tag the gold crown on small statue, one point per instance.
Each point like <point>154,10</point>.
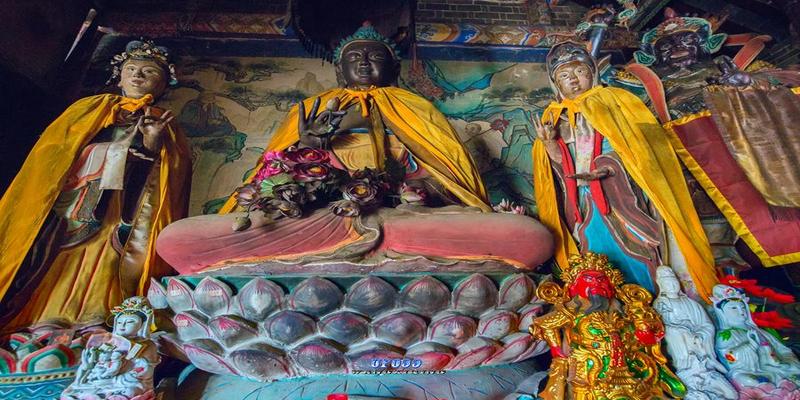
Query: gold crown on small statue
<point>579,263</point>
<point>143,50</point>
<point>137,305</point>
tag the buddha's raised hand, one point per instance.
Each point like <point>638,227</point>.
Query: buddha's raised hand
<point>315,129</point>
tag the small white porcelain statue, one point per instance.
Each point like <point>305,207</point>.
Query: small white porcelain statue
<point>689,334</point>
<point>759,365</point>
<point>119,365</point>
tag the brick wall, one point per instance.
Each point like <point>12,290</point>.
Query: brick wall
<point>473,11</point>
<point>499,12</point>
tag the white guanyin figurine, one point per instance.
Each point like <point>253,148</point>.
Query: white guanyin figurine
<point>689,335</point>
<point>759,365</point>
<point>119,365</point>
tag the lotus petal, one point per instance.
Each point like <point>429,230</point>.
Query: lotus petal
<point>400,329</point>
<point>497,324</point>
<point>231,330</point>
<point>287,327</point>
<point>169,345</point>
<point>315,296</point>
<point>191,325</point>
<point>434,356</point>
<point>344,327</point>
<point>425,296</point>
<point>536,348</point>
<point>452,329</point>
<point>320,356</point>
<point>516,291</point>
<point>157,295</point>
<point>48,358</point>
<point>474,352</point>
<point>528,313</point>
<point>258,298</point>
<point>8,363</point>
<point>365,356</point>
<point>514,345</point>
<point>371,296</point>
<point>474,295</point>
<point>209,356</point>
<point>261,362</point>
<point>179,295</point>
<point>212,297</point>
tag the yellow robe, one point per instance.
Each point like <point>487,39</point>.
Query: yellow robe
<point>642,146</point>
<point>419,126</point>
<point>80,282</point>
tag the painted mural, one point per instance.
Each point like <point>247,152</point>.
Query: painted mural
<point>230,106</point>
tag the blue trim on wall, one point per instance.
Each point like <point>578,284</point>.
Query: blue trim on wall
<point>291,47</point>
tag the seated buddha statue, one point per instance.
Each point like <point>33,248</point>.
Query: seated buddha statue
<point>370,125</point>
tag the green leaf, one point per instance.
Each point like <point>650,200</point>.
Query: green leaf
<point>725,335</point>
<point>272,181</point>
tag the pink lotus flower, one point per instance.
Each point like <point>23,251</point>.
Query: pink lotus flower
<point>410,194</point>
<point>507,207</point>
<point>274,163</point>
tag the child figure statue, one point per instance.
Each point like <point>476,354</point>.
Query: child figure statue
<point>119,365</point>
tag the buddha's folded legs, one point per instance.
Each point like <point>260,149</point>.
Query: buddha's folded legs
<point>208,242</point>
<point>514,239</point>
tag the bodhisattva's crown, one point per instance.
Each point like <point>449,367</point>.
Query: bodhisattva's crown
<point>137,305</point>
<point>144,50</point>
<point>722,294</point>
<point>366,33</point>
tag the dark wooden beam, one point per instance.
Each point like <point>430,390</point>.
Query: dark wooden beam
<point>648,9</point>
<point>755,22</point>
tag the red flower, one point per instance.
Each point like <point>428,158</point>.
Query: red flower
<point>752,287</point>
<point>307,155</point>
<point>500,124</point>
<point>311,172</point>
<point>771,319</point>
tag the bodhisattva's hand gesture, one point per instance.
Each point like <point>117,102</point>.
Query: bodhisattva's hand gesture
<point>546,132</point>
<point>152,129</point>
<point>316,129</point>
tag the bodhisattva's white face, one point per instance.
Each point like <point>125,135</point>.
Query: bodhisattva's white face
<point>573,78</point>
<point>128,325</point>
<point>142,77</point>
<point>669,286</point>
<point>736,313</point>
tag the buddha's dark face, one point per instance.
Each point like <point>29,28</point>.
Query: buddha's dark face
<point>678,50</point>
<point>367,63</point>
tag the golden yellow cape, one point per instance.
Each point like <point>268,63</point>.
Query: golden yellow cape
<point>416,123</point>
<point>31,195</point>
<point>642,146</point>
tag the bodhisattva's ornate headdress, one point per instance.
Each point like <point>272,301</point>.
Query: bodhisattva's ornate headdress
<point>138,306</point>
<point>591,262</point>
<point>722,294</point>
<point>143,50</point>
<point>711,43</point>
<point>366,33</point>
